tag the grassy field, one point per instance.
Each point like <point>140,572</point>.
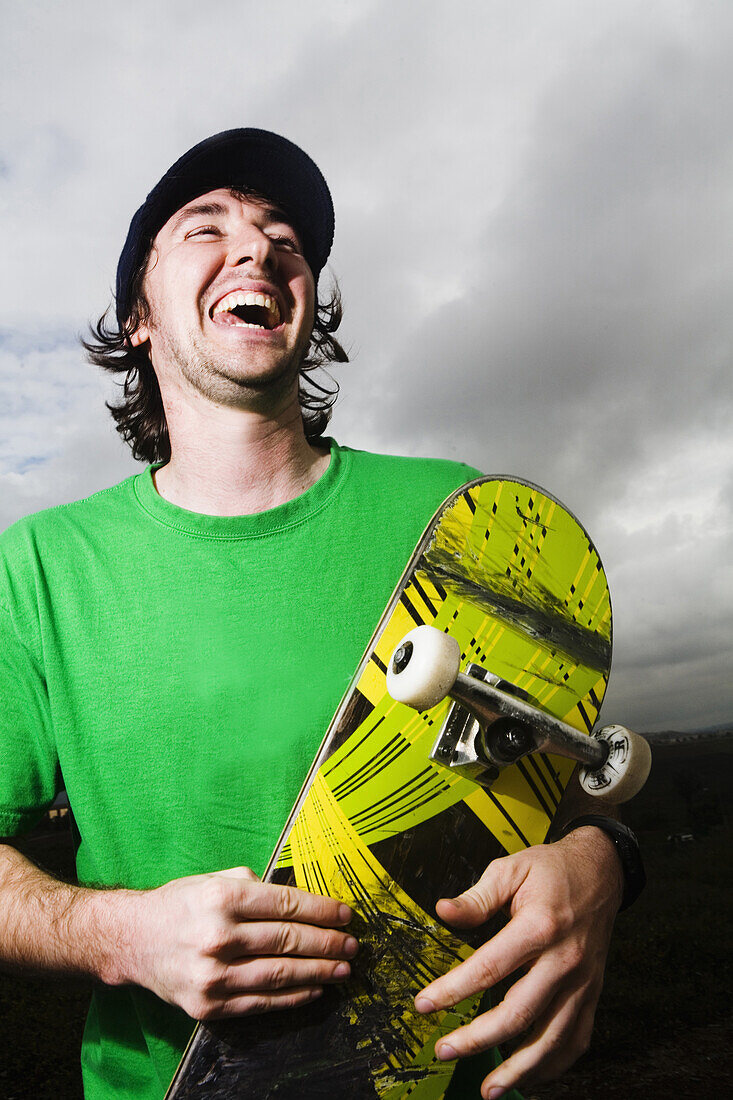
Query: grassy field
<point>664,1025</point>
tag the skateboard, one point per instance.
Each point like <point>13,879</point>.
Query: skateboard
<point>425,775</point>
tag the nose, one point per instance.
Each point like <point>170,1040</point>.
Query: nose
<point>252,246</point>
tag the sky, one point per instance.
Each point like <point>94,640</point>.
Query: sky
<point>534,203</point>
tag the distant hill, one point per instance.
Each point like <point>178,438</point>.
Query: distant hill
<point>716,739</point>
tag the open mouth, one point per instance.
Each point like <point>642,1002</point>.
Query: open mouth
<point>247,309</point>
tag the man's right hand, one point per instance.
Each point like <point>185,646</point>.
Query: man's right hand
<point>220,944</point>
<point>226,944</point>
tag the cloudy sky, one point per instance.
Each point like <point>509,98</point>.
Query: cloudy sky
<point>534,211</point>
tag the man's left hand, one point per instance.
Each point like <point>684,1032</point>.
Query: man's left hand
<point>562,899</point>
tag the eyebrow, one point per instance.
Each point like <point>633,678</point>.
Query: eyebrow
<point>217,209</point>
<point>199,210</point>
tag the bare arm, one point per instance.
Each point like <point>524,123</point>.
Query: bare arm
<point>575,802</point>
<point>50,925</point>
<point>218,944</point>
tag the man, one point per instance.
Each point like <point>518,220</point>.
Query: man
<point>173,649</point>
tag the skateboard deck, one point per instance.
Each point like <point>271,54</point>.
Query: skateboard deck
<point>513,577</point>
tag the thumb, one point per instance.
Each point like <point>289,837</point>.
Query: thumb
<point>496,887</point>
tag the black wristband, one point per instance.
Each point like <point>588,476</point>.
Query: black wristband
<point>628,850</point>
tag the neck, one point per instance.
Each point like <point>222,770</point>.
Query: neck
<point>231,461</point>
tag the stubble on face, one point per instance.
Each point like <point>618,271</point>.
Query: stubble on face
<point>223,380</point>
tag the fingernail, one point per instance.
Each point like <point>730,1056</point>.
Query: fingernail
<point>455,901</point>
<point>445,1052</point>
<point>345,914</point>
<point>342,970</point>
<point>424,1004</point>
<point>317,992</point>
<point>351,946</point>
<point>495,1092</point>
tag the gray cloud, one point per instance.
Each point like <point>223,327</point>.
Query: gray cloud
<point>56,441</point>
<point>533,216</point>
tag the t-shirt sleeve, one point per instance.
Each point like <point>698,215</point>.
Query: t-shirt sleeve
<point>29,767</point>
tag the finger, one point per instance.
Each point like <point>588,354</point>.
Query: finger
<point>559,1038</point>
<point>576,1045</point>
<point>289,938</point>
<point>279,972</point>
<point>496,887</point>
<point>512,947</point>
<point>251,1003</point>
<point>525,1002</point>
<point>264,901</point>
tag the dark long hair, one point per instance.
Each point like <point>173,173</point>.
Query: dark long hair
<point>140,416</point>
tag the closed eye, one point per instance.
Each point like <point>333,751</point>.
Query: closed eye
<point>288,243</point>
<point>203,230</point>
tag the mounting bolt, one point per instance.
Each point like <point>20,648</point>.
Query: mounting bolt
<point>506,740</point>
<point>401,658</point>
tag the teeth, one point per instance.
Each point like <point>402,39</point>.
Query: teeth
<point>249,298</point>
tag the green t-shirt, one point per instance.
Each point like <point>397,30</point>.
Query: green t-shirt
<point>175,672</point>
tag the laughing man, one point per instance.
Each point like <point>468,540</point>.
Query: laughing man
<point>142,631</point>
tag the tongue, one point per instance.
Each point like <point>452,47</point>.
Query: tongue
<point>226,318</point>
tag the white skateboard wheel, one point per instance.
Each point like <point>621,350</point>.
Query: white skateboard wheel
<point>626,770</point>
<point>423,668</point>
